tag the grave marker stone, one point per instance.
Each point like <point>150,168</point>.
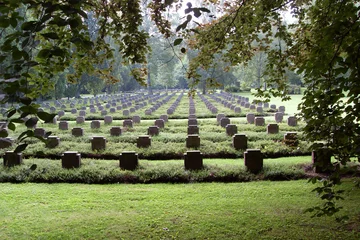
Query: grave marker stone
<point>239,141</point>
<point>282,109</point>
<point>126,113</point>
<point>5,142</point>
<point>108,119</point>
<point>77,132</point>
<point>272,128</point>
<point>95,124</point>
<point>71,159</point>
<point>115,131</point>
<point>193,141</point>
<point>136,119</point>
<point>219,117</point>
<point>153,130</point>
<point>63,125</point>
<point>98,143</point>
<point>61,113</point>
<point>250,117</point>
<point>80,120</point>
<point>321,160</point>
<point>290,139</point>
<point>231,129</point>
<point>224,121</point>
<point>292,121</point>
<point>253,159</point>
<point>128,123</point>
<point>40,132</point>
<point>192,129</point>
<point>193,160</point>
<point>192,121</point>
<point>259,109</point>
<point>164,117</point>
<point>143,141</point>
<point>279,117</point>
<point>52,142</point>
<point>128,160</point>
<point>82,113</point>
<point>259,121</point>
<point>11,159</point>
<point>160,123</point>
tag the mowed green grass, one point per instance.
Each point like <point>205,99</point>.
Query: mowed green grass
<point>291,106</point>
<point>255,210</point>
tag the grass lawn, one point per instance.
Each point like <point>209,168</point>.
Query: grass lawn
<point>290,106</point>
<point>255,210</point>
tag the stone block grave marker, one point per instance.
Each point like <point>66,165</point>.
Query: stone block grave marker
<point>126,113</point>
<point>224,121</point>
<point>164,117</point>
<point>231,129</point>
<point>95,124</point>
<point>136,119</point>
<point>128,123</point>
<point>253,159</point>
<point>250,118</point>
<point>153,130</point>
<point>98,143</point>
<point>5,142</point>
<point>82,113</point>
<point>272,128</point>
<point>71,159</point>
<point>40,132</point>
<point>193,141</point>
<point>192,129</point>
<point>193,160</point>
<point>160,123</point>
<point>290,139</point>
<point>321,160</point>
<point>129,160</point>
<point>292,121</point>
<point>239,141</point>
<point>192,121</point>
<point>115,131</point>
<point>259,121</point>
<point>77,132</point>
<point>143,141</point>
<point>53,142</point>
<point>11,159</point>
<point>63,125</point>
<point>80,120</point>
<point>108,119</point>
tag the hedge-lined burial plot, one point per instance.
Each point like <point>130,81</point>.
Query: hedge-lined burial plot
<point>109,171</point>
<point>149,106</point>
<point>121,131</point>
<point>170,142</point>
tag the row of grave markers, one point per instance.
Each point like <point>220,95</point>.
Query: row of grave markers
<point>193,160</point>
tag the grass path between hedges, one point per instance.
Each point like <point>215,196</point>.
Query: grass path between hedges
<point>254,210</point>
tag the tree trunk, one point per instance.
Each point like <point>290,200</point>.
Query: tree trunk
<point>148,78</point>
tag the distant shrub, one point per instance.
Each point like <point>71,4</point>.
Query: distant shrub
<point>232,89</point>
<point>294,89</point>
<point>236,89</point>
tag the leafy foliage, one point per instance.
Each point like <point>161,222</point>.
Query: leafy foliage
<point>40,39</point>
<point>322,45</point>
